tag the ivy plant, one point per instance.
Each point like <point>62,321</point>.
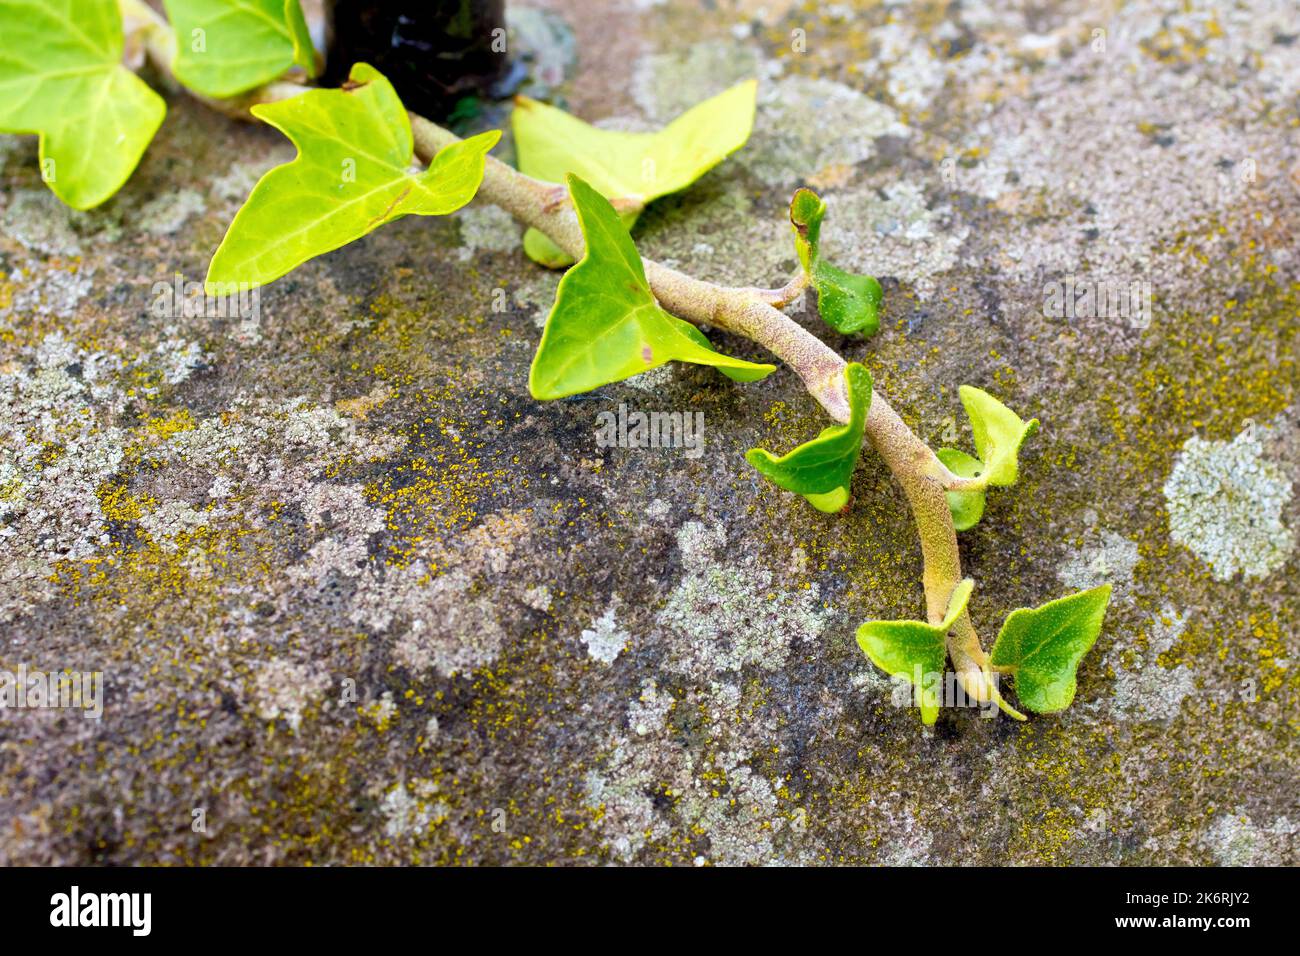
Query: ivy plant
<point>363,161</point>
<point>634,168</point>
<point>915,650</point>
<point>352,174</point>
<point>61,77</point>
<point>225,47</point>
<point>605,325</point>
<point>848,303</point>
<point>822,468</point>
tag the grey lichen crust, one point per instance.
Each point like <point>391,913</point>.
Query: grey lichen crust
<point>1226,502</point>
<point>361,599</point>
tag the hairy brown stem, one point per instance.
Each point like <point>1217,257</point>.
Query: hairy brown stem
<point>751,312</point>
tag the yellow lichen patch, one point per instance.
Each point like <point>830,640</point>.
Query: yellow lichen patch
<point>1209,379</point>
<point>363,405</point>
<point>1069,776</point>
<point>163,427</point>
<point>439,489</point>
<point>1273,658</point>
<point>118,504</point>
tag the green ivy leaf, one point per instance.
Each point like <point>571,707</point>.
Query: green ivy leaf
<point>967,507</point>
<point>821,469</point>
<point>352,175</point>
<point>1041,647</point>
<point>637,166</point>
<point>999,433</point>
<point>226,47</point>
<point>61,76</point>
<point>605,325</point>
<point>915,649</point>
<point>848,303</point>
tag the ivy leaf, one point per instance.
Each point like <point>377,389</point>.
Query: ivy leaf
<point>967,507</point>
<point>61,76</point>
<point>1042,647</point>
<point>999,433</point>
<point>916,650</point>
<point>352,174</point>
<point>848,303</point>
<point>740,373</point>
<point>637,166</point>
<point>225,47</point>
<point>605,325</point>
<point>821,469</point>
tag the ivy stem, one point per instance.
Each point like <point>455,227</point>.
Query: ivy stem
<point>780,298</point>
<point>751,312</point>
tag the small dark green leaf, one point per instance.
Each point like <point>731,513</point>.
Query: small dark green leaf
<point>967,507</point>
<point>915,650</point>
<point>1041,647</point>
<point>822,468</point>
<point>848,303</point>
<point>605,325</point>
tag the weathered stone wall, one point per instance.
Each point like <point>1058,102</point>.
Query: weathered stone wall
<point>562,652</point>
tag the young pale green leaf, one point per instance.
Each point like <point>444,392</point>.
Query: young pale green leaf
<point>967,507</point>
<point>605,325</point>
<point>352,175</point>
<point>1041,647</point>
<point>916,650</point>
<point>999,433</point>
<point>821,469</point>
<point>61,76</point>
<point>225,47</point>
<point>848,303</point>
<point>639,167</point>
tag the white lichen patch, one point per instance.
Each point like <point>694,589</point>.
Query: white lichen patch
<point>605,640</point>
<point>1225,503</point>
<point>237,181</point>
<point>165,214</point>
<point>1104,558</point>
<point>805,126</point>
<point>55,453</point>
<point>1234,839</point>
<point>49,290</point>
<point>915,76</point>
<point>452,629</point>
<point>37,220</point>
<point>655,780</point>
<point>284,689</point>
<point>893,231</point>
<point>724,616</point>
<point>177,357</point>
<point>536,293</point>
<point>908,843</point>
<point>717,794</point>
<point>538,598</point>
<point>488,229</point>
<point>411,814</point>
<point>543,40</point>
<point>648,712</point>
<point>1145,691</point>
<point>740,245</point>
<point>1054,146</point>
<point>808,126</point>
<point>665,85</point>
<point>66,484</point>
